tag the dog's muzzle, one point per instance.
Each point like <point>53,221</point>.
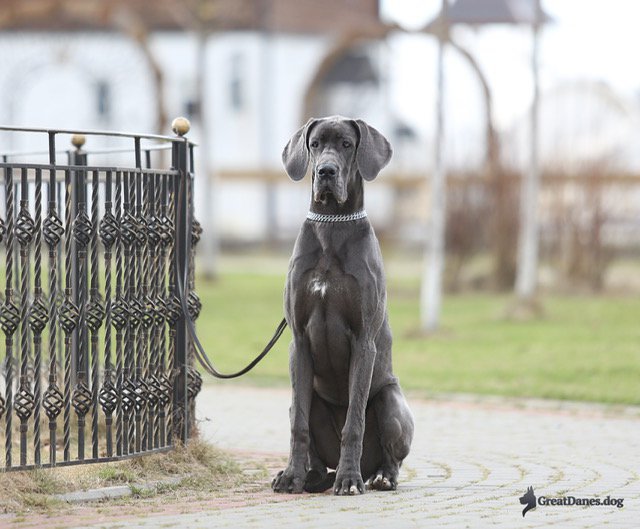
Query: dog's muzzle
<point>328,182</point>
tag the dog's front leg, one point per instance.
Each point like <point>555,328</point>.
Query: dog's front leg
<point>291,479</point>
<point>348,475</point>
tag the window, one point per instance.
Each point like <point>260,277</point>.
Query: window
<point>236,84</point>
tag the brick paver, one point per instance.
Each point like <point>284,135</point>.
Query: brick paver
<point>470,462</point>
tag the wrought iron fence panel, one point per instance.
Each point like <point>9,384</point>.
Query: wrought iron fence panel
<point>99,263</point>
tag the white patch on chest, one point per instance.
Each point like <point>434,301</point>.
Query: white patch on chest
<point>318,286</point>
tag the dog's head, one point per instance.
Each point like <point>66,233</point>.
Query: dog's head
<point>340,150</point>
<point>528,499</point>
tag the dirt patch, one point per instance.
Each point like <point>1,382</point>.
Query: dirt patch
<point>208,479</point>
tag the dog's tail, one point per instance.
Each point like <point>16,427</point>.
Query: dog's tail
<point>318,482</point>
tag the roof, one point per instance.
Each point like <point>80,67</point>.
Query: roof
<point>289,16</point>
<point>480,12</point>
<point>352,67</point>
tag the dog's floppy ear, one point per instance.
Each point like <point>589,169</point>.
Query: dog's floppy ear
<point>295,155</point>
<point>374,151</point>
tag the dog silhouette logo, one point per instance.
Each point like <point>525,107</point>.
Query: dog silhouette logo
<point>528,499</point>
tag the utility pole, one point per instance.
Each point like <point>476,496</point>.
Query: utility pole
<point>526,273</point>
<point>431,291</point>
<point>209,243</point>
<point>197,19</point>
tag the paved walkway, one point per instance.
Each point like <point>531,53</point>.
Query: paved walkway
<point>470,462</point>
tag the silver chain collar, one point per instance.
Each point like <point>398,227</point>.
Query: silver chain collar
<point>317,217</point>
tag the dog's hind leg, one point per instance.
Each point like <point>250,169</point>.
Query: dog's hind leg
<point>318,479</point>
<point>395,428</point>
<point>324,449</point>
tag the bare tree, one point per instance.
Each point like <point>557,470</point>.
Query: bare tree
<point>501,214</point>
<point>203,17</point>
<point>132,25</point>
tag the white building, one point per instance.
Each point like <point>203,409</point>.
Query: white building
<point>70,70</point>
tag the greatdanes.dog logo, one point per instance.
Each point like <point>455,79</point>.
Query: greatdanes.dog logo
<point>529,498</point>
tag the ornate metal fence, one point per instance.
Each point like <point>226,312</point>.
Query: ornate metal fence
<point>98,283</point>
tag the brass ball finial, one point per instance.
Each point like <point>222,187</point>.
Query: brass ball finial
<point>180,126</point>
<point>78,140</point>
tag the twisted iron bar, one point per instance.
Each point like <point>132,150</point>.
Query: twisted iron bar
<point>108,393</point>
<point>136,308</point>
<point>24,399</point>
<point>128,387</point>
<point>95,314</point>
<point>120,319</point>
<point>172,312</point>
<point>155,240</point>
<point>9,317</point>
<point>53,400</point>
<point>61,257</point>
<point>81,398</point>
<point>38,317</point>
<point>148,319</point>
<point>68,316</point>
<point>166,237</point>
<point>142,390</point>
<point>3,404</point>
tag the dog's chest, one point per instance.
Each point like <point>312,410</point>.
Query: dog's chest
<point>327,294</point>
<point>325,282</point>
<point>332,315</point>
<point>319,286</point>
<point>328,283</point>
<point>324,296</point>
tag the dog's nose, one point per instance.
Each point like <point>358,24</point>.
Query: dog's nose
<point>327,170</point>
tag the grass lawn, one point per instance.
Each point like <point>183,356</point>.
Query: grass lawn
<point>585,348</point>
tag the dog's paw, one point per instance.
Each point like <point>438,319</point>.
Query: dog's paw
<point>317,481</point>
<point>287,481</point>
<point>383,480</point>
<point>348,483</point>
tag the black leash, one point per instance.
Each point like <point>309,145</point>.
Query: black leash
<point>200,353</point>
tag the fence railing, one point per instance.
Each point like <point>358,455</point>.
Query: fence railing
<point>96,282</point>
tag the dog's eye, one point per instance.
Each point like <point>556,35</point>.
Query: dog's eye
<point>346,144</point>
<point>314,144</point>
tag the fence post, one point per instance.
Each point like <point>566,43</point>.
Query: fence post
<point>81,398</point>
<point>78,157</point>
<point>180,162</point>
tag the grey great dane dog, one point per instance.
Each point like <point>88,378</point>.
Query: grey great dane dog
<point>347,412</point>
